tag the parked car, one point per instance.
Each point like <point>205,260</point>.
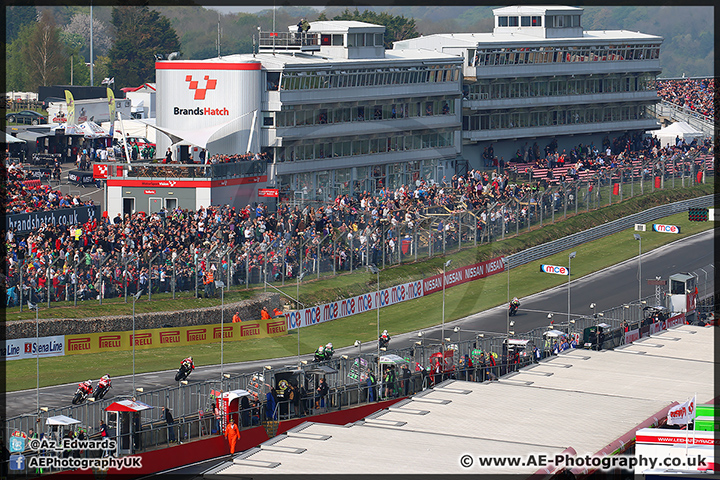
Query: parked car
<point>29,117</point>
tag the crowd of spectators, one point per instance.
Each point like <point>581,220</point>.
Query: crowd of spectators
<point>25,194</point>
<point>697,95</point>
<point>179,247</point>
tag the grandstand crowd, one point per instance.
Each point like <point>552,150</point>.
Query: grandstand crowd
<point>697,95</point>
<point>367,228</point>
<point>25,193</point>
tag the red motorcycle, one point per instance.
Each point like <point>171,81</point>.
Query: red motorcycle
<point>85,389</point>
<point>104,385</point>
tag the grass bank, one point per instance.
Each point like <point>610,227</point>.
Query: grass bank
<point>461,301</point>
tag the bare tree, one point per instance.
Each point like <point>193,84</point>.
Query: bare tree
<point>44,52</point>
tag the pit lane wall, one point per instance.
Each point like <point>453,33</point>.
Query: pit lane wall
<point>392,295</point>
<point>58,345</point>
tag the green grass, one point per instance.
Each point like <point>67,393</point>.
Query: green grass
<point>408,316</point>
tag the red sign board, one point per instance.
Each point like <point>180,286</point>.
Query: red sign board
<point>463,274</point>
<point>149,192</point>
<point>268,192</point>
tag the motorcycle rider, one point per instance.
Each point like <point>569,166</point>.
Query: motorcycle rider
<point>188,364</point>
<point>514,304</point>
<point>329,351</point>
<point>104,380</point>
<point>319,353</point>
<point>384,338</point>
<point>86,387</point>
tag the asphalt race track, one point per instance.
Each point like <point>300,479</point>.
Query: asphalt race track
<point>607,288</point>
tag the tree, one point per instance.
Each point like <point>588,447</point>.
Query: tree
<point>80,25</point>
<point>16,73</point>
<point>396,27</point>
<point>16,17</point>
<point>141,34</point>
<point>45,53</point>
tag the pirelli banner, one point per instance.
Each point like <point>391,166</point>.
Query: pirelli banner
<point>170,337</point>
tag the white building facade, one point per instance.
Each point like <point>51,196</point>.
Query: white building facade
<point>539,76</point>
<point>335,112</point>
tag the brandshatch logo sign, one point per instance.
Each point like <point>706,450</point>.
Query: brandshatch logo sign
<point>210,84</point>
<point>200,92</point>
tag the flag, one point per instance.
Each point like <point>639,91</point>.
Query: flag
<point>682,414</point>
<point>111,108</point>
<point>71,119</point>
<point>105,81</point>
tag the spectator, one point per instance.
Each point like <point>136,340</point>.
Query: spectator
<point>167,416</point>
<point>236,318</point>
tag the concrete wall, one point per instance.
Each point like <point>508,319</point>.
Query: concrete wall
<point>248,309</point>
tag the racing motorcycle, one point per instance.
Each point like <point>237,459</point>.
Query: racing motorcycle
<point>104,385</point>
<point>84,390</point>
<point>514,307</point>
<point>186,367</point>
<point>384,339</point>
<point>324,353</point>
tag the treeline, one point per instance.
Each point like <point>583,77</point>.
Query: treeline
<point>50,45</point>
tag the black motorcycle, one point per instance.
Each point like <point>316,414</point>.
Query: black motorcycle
<point>513,309</point>
<point>384,341</point>
<point>182,373</point>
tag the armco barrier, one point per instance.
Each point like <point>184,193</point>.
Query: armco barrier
<point>556,246</point>
<point>166,337</point>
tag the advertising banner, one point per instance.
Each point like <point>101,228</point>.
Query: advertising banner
<point>556,269</point>
<point>169,337</point>
<point>662,228</point>
<point>20,348</point>
<point>354,305</point>
<point>463,274</point>
<point>79,177</point>
<point>25,222</point>
<point>675,321</point>
<point>632,335</point>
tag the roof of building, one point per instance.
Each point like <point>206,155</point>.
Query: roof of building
<point>472,39</point>
<point>341,26</point>
<point>581,399</point>
<point>535,9</point>
<point>283,60</point>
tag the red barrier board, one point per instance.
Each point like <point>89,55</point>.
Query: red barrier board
<point>463,274</point>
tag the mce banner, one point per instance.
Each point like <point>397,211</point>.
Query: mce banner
<point>392,295</point>
<point>555,269</point>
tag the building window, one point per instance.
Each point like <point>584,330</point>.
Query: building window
<point>537,21</point>
<point>513,21</point>
<point>502,21</point>
<point>525,21</point>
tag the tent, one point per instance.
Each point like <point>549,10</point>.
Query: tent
<point>62,420</point>
<point>668,134</point>
<point>10,139</point>
<point>392,359</point>
<point>86,129</point>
